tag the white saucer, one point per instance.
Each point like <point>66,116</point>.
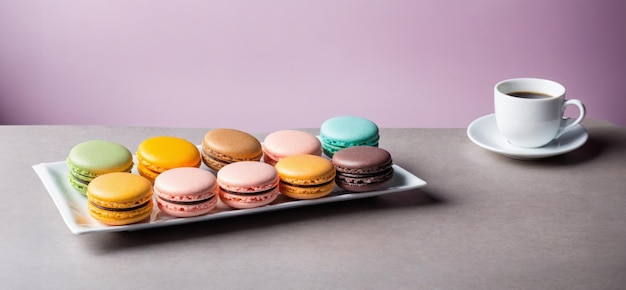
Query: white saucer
<point>484,133</point>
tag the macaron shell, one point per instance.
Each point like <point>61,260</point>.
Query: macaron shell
<point>223,146</point>
<point>248,201</point>
<point>362,160</point>
<point>190,210</point>
<point>364,184</point>
<point>297,192</point>
<point>349,130</point>
<point>119,198</point>
<point>181,191</point>
<point>247,177</point>
<point>185,183</point>
<point>96,157</point>
<point>285,143</point>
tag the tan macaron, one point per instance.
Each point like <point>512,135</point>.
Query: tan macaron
<point>223,146</point>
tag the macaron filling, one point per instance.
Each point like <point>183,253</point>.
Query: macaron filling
<point>82,176</point>
<point>249,193</point>
<point>220,158</point>
<point>365,179</point>
<point>74,178</point>
<point>307,185</point>
<point>120,209</point>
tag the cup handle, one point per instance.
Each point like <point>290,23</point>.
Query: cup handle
<point>567,123</point>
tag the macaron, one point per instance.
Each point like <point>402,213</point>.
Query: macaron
<point>285,143</point>
<point>223,146</point>
<point>186,191</point>
<point>363,168</point>
<point>119,198</point>
<point>247,184</point>
<point>90,159</point>
<point>305,176</point>
<point>347,131</point>
<point>158,154</point>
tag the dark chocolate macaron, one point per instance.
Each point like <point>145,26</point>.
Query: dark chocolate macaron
<point>363,168</point>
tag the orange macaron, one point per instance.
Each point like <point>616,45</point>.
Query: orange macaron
<point>158,154</point>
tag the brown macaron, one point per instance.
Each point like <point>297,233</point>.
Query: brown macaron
<point>221,147</point>
<point>363,168</point>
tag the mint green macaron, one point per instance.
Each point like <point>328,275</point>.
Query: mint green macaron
<point>347,131</point>
<point>91,159</point>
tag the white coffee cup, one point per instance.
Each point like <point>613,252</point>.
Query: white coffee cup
<point>529,111</point>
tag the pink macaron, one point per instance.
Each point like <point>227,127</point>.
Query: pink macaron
<point>186,191</point>
<point>247,184</point>
<point>281,144</point>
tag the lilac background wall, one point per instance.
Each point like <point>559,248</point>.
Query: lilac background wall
<point>275,64</point>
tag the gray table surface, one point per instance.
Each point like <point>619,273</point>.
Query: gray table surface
<point>484,221</point>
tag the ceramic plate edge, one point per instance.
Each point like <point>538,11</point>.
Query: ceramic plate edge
<point>43,171</point>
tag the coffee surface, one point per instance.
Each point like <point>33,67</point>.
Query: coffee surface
<point>529,95</point>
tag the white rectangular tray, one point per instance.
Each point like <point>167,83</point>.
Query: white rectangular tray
<point>73,206</point>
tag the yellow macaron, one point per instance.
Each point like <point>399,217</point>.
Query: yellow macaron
<point>160,153</point>
<point>119,198</point>
<point>305,176</point>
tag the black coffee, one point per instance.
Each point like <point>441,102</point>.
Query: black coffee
<point>529,95</point>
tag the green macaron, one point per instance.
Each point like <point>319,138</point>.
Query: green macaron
<point>347,131</point>
<point>91,159</point>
